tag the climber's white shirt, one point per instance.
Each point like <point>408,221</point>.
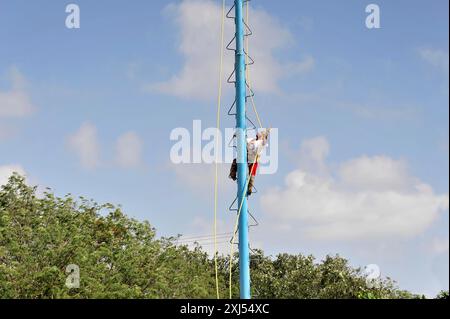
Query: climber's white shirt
<point>254,148</point>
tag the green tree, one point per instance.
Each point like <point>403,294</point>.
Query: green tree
<point>120,257</point>
<point>442,295</point>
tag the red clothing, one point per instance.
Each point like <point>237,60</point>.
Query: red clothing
<point>255,168</point>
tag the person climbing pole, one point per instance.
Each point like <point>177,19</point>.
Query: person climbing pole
<point>254,148</point>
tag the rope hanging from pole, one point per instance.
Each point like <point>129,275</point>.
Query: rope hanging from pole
<point>219,104</point>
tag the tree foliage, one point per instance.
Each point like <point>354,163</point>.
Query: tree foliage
<point>442,295</point>
<point>120,257</point>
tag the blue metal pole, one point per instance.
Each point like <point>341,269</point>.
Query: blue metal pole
<point>241,125</point>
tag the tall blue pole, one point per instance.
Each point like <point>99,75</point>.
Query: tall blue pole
<point>241,125</point>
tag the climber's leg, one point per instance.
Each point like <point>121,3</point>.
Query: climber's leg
<point>233,171</point>
<point>250,185</point>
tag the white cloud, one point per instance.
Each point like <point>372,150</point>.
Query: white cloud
<point>84,143</point>
<point>7,170</point>
<point>439,245</point>
<point>435,57</point>
<point>300,67</point>
<point>129,150</point>
<point>199,178</point>
<point>369,198</point>
<point>313,153</point>
<point>378,173</point>
<point>199,25</point>
<point>15,102</point>
<point>6,131</point>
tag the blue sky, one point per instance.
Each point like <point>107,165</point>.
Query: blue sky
<point>362,117</point>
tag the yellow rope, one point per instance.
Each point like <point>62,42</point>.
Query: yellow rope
<point>219,104</point>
